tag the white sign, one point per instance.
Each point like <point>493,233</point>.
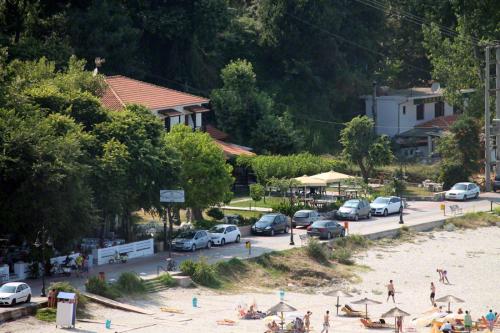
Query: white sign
<point>171,195</point>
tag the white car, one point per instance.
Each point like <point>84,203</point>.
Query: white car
<point>225,233</point>
<point>14,292</point>
<point>386,205</point>
<point>462,191</point>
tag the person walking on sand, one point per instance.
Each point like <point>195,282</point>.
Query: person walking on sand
<point>468,322</point>
<point>307,320</point>
<point>490,318</point>
<point>326,322</point>
<point>433,292</point>
<point>390,291</point>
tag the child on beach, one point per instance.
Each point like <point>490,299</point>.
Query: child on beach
<point>433,292</point>
<point>390,291</point>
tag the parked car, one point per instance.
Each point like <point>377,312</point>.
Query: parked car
<point>225,233</point>
<point>386,205</point>
<point>191,240</point>
<point>355,209</point>
<point>496,183</point>
<point>326,229</point>
<point>462,191</point>
<point>13,293</point>
<point>270,224</point>
<point>305,217</point>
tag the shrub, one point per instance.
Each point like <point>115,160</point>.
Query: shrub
<point>343,256</point>
<point>67,287</point>
<point>99,287</point>
<point>257,191</point>
<point>130,283</point>
<point>46,314</point>
<point>215,213</point>
<point>204,224</point>
<point>316,251</point>
<point>451,173</point>
<point>230,267</point>
<point>474,220</point>
<point>205,274</point>
<point>188,267</point>
<point>167,280</point>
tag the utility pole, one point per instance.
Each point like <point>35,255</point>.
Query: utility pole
<point>374,106</point>
<point>487,137</point>
<point>497,108</point>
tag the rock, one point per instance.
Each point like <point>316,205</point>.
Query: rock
<point>449,227</point>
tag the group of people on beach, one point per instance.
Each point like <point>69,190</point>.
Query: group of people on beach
<point>302,325</point>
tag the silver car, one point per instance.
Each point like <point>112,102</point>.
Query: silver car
<point>191,240</point>
<point>354,210</point>
<point>304,218</point>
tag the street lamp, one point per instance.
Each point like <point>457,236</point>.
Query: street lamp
<point>41,240</point>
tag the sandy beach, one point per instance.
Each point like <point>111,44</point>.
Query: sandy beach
<point>471,257</point>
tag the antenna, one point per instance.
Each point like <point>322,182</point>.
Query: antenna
<point>435,87</point>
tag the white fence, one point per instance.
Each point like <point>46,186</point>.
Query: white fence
<point>132,250</point>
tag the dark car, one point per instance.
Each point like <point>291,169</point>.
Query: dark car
<point>326,229</point>
<point>496,184</point>
<point>271,224</point>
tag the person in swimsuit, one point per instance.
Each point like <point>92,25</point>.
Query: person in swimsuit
<point>390,291</point>
<point>326,322</point>
<point>433,292</point>
<point>445,276</point>
<point>307,320</point>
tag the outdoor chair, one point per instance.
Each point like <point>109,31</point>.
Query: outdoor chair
<point>349,312</point>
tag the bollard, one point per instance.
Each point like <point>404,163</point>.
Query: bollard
<point>108,323</point>
<point>346,227</point>
<point>195,302</point>
<point>248,245</point>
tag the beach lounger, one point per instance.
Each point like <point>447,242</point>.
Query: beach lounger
<point>367,323</point>
<point>226,322</point>
<point>171,310</point>
<point>349,312</point>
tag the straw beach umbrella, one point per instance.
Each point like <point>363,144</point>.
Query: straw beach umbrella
<point>280,308</point>
<point>337,293</point>
<point>396,313</point>
<point>366,301</point>
<point>449,299</point>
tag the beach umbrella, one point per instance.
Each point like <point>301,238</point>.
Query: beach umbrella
<point>338,293</point>
<point>449,299</point>
<point>280,308</point>
<point>396,313</point>
<point>366,301</point>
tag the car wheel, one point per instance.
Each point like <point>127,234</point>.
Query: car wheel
<point>386,212</point>
<point>272,232</point>
<point>28,299</point>
<point>238,239</point>
<point>464,198</point>
<point>356,217</point>
<point>193,248</point>
<point>13,302</point>
<point>286,230</point>
<point>209,244</point>
<point>222,242</point>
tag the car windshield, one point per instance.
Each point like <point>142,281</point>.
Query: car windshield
<point>187,234</point>
<point>319,224</point>
<point>217,230</point>
<point>301,214</point>
<point>381,200</point>
<point>7,289</point>
<point>459,187</point>
<point>351,204</point>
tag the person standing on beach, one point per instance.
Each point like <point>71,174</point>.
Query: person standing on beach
<point>468,322</point>
<point>433,292</point>
<point>390,291</point>
<point>307,320</point>
<point>326,322</point>
<point>399,324</point>
<point>490,318</point>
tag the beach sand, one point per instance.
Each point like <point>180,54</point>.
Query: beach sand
<point>471,257</point>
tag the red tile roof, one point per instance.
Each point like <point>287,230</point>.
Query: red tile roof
<point>216,133</point>
<point>443,122</point>
<point>231,149</point>
<point>123,90</point>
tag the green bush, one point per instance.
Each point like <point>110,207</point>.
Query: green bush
<point>215,213</point>
<point>343,256</point>
<point>315,250</point>
<point>231,267</point>
<point>204,224</point>
<point>99,287</point>
<point>188,267</point>
<point>67,287</point>
<point>130,283</point>
<point>46,314</point>
<point>167,280</point>
<point>205,274</point>
<point>451,173</point>
<point>352,242</point>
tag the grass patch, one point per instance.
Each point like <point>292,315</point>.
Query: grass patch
<point>268,203</point>
<point>342,255</point>
<point>167,280</point>
<point>128,283</point>
<point>46,314</point>
<point>317,251</point>
<point>474,220</point>
<point>102,288</point>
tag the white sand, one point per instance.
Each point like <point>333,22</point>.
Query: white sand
<point>471,257</point>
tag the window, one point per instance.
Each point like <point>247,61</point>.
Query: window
<point>404,109</point>
<point>438,109</point>
<point>420,111</point>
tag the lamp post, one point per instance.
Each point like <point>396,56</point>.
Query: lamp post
<point>291,217</point>
<point>43,239</point>
<point>402,179</point>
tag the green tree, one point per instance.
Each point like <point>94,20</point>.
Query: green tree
<point>204,174</point>
<point>363,147</point>
<point>257,192</point>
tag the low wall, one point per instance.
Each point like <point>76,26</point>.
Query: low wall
<point>392,233</point>
<point>21,311</point>
<point>133,250</point>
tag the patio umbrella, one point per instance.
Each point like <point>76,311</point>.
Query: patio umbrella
<point>449,299</point>
<point>281,307</point>
<point>396,313</point>
<point>337,293</point>
<point>366,301</point>
<point>308,181</point>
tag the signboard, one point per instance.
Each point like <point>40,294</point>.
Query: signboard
<point>171,195</point>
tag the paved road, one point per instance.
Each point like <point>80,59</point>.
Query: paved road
<point>418,212</point>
